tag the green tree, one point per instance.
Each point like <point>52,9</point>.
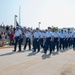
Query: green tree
<point>53,28</point>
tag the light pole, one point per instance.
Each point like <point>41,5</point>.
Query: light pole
<point>39,25</point>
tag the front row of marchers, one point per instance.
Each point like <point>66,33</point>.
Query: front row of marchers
<point>45,39</point>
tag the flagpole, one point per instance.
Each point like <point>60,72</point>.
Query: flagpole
<point>20,15</point>
<point>15,19</point>
<point>39,25</point>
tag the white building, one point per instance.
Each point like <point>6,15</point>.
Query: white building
<point>66,29</point>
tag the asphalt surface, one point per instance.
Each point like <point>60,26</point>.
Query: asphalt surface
<point>29,63</point>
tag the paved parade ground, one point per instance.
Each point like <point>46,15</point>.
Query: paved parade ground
<point>29,63</point>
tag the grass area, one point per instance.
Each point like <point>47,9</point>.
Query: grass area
<point>7,40</point>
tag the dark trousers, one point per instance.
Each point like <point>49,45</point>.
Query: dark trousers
<point>41,42</point>
<point>48,45</point>
<point>11,41</point>
<point>56,43</point>
<point>73,43</point>
<point>17,41</point>
<point>69,42</point>
<point>66,42</point>
<point>62,43</point>
<point>36,44</point>
<point>28,41</point>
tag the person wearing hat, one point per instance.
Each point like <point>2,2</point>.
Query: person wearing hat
<point>56,39</point>
<point>73,36</point>
<point>62,39</point>
<point>17,39</point>
<point>28,40</point>
<point>48,41</point>
<point>69,39</point>
<point>36,40</point>
<point>42,38</point>
<point>66,39</point>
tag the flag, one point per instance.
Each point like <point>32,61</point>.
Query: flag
<point>15,15</point>
<point>39,22</point>
<point>17,25</point>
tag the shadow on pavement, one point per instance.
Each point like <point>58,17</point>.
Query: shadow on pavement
<point>63,51</point>
<point>27,50</point>
<point>44,56</point>
<point>7,54</point>
<point>55,53</point>
<point>33,53</point>
<point>10,53</point>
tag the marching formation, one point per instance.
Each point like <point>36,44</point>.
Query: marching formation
<point>45,39</point>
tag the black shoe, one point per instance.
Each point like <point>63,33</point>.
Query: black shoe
<point>19,50</point>
<point>74,49</point>
<point>34,51</point>
<point>24,49</point>
<point>29,49</point>
<point>38,51</point>
<point>45,52</point>
<point>57,50</point>
<point>14,50</point>
<point>50,53</point>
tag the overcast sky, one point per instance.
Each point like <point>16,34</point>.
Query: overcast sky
<point>58,13</point>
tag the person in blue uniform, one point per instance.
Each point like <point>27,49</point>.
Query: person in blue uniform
<point>66,39</point>
<point>36,40</point>
<point>71,40</point>
<point>73,35</point>
<point>48,41</point>
<point>42,39</point>
<point>62,39</point>
<point>56,39</point>
<point>28,40</point>
<point>17,39</point>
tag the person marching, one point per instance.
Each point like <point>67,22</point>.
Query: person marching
<point>66,39</point>
<point>48,41</point>
<point>68,36</point>
<point>36,40</point>
<point>56,39</point>
<point>42,38</point>
<point>62,39</point>
<point>73,35</point>
<point>71,39</point>
<point>28,40</point>
<point>17,39</point>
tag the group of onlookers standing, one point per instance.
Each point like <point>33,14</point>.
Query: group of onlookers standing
<point>6,34</point>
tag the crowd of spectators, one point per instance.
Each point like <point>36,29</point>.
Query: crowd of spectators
<point>7,34</point>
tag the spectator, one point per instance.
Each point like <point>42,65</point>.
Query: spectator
<point>0,36</point>
<point>3,38</point>
<point>7,29</point>
<point>11,38</point>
